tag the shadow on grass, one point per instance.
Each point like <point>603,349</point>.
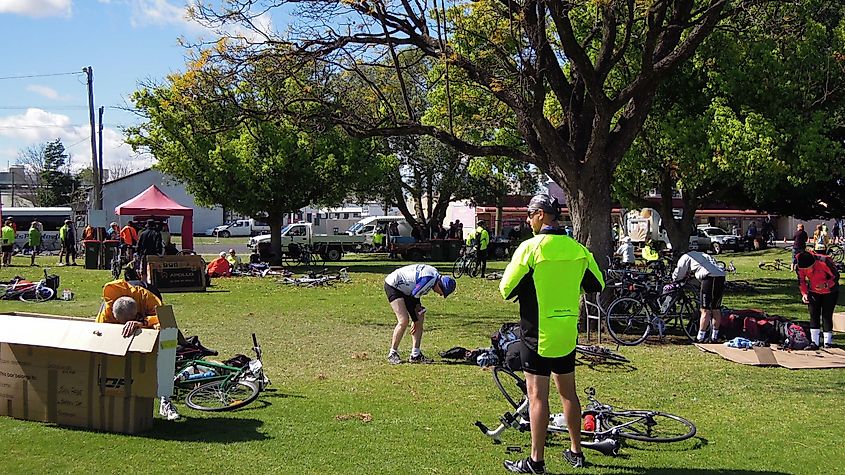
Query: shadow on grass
<point>607,366</point>
<point>674,470</point>
<point>225,430</point>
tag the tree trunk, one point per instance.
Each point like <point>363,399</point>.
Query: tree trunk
<point>498,228</point>
<point>678,232</point>
<point>275,222</point>
<point>589,203</point>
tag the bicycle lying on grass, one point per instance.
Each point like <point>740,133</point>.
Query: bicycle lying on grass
<point>315,279</point>
<point>31,292</point>
<point>777,265</point>
<point>213,386</point>
<point>612,426</point>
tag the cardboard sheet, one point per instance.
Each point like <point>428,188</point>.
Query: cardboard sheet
<point>773,356</point>
<point>839,322</point>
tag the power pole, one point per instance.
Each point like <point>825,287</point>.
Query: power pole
<point>94,168</point>
<point>101,178</point>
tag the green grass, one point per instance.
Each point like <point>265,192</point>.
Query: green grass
<point>325,352</point>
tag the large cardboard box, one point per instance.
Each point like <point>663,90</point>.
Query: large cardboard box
<point>76,372</point>
<point>176,273</point>
<point>839,322</point>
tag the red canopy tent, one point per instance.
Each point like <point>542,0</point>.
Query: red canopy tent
<point>153,202</point>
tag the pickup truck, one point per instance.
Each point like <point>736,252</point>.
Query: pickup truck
<point>331,247</point>
<point>240,227</point>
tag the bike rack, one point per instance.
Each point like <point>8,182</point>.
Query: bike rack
<point>594,312</point>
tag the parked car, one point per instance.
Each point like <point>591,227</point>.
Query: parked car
<point>719,239</point>
<point>240,227</point>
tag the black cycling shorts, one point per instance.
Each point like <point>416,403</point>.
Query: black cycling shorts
<point>712,289</point>
<point>538,365</point>
<point>411,303</point>
<point>7,247</point>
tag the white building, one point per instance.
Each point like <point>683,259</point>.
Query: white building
<point>118,191</point>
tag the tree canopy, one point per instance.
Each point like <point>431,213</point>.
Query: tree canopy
<point>197,129</point>
<point>573,81</point>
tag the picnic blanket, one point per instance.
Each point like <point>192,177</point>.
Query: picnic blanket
<point>774,356</point>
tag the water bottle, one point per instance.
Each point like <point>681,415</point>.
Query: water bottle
<point>206,374</point>
<point>590,423</point>
<point>559,420</point>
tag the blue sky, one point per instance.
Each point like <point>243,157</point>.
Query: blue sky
<point>125,41</point>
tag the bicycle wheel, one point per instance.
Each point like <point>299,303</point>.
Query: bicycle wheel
<point>221,396</point>
<point>685,313</point>
<point>37,295</point>
<point>600,352</point>
<point>115,268</point>
<point>458,268</point>
<point>836,253</point>
<point>651,426</point>
<point>473,267</point>
<point>628,321</point>
<point>512,387</point>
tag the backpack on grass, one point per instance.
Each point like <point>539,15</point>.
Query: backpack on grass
<point>796,338</point>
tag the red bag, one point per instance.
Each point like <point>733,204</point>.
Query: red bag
<point>750,329</point>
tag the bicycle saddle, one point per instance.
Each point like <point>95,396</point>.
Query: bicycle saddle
<point>605,446</point>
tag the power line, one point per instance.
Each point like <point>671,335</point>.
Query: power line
<point>43,107</point>
<point>40,75</point>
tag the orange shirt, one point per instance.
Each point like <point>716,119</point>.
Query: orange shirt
<point>129,235</point>
<point>146,300</point>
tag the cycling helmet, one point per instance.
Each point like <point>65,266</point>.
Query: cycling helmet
<point>447,284</point>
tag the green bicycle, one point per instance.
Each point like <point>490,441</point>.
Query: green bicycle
<point>213,386</point>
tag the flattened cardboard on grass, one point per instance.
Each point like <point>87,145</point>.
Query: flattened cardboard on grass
<point>772,356</point>
<point>76,372</point>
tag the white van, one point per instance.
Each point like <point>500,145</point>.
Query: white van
<point>367,226</point>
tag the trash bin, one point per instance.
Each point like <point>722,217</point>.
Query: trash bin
<point>92,254</point>
<point>438,249</point>
<point>108,249</point>
<point>453,250</point>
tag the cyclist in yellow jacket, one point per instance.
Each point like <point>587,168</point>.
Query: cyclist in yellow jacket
<point>548,273</point>
<point>483,237</point>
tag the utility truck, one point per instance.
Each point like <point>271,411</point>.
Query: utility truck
<point>331,247</point>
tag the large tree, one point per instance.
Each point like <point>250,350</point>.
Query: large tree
<point>574,80</point>
<point>258,168</point>
<point>751,120</point>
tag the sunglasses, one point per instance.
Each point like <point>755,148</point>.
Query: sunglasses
<point>532,212</point>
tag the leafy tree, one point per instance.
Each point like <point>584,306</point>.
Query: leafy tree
<point>196,128</point>
<point>572,80</point>
<point>58,185</point>
<point>748,121</point>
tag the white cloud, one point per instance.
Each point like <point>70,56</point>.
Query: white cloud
<point>37,8</point>
<point>160,13</point>
<point>36,126</point>
<point>175,13</point>
<point>44,91</point>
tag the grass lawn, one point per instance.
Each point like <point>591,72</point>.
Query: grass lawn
<point>325,352</point>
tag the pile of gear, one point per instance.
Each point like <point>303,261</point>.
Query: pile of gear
<point>754,327</point>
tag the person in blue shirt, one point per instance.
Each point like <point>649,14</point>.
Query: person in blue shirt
<point>404,287</point>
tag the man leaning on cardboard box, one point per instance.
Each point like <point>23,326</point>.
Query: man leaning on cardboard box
<point>97,375</point>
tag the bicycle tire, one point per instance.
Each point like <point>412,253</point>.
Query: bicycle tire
<point>115,269</point>
<point>503,387</point>
<point>628,321</point>
<point>227,396</point>
<point>601,352</point>
<point>685,313</point>
<point>458,268</point>
<point>473,267</point>
<point>37,295</point>
<point>836,253</point>
<point>645,434</point>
